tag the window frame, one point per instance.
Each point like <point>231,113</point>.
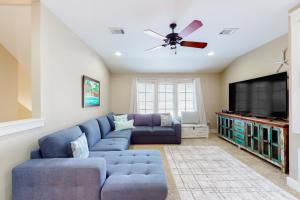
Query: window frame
<point>175,99</point>
<point>145,101</point>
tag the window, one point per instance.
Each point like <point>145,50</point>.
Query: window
<point>161,96</point>
<point>165,98</point>
<point>185,92</point>
<point>145,96</point>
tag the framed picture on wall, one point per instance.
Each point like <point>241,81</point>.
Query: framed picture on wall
<point>90,92</point>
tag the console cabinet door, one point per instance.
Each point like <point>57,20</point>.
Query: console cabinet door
<point>275,144</point>
<point>265,140</point>
<point>219,124</point>
<point>248,134</point>
<point>231,130</point>
<point>256,138</point>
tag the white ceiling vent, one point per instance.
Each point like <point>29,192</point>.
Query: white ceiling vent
<point>228,31</point>
<point>117,31</point>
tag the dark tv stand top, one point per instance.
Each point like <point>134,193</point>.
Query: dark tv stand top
<point>272,122</point>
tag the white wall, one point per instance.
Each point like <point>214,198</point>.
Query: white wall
<point>121,91</point>
<point>294,136</point>
<point>64,59</point>
<point>15,36</point>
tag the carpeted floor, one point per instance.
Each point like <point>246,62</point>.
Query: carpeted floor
<point>260,166</point>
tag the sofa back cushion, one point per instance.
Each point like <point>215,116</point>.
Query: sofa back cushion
<point>57,145</point>
<point>92,131</point>
<point>130,116</point>
<point>110,118</point>
<point>104,124</point>
<point>143,120</point>
<point>156,119</point>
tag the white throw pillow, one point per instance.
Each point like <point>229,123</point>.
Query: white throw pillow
<point>121,118</point>
<point>80,147</point>
<point>165,120</point>
<point>190,118</point>
<point>123,125</point>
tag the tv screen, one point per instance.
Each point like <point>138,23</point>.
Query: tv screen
<point>261,97</point>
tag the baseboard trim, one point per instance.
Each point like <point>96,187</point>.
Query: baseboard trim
<point>214,130</point>
<point>292,183</point>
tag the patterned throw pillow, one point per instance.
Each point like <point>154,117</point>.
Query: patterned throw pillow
<point>121,118</point>
<point>80,147</point>
<point>166,120</point>
<point>123,125</point>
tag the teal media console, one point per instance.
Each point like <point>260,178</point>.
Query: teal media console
<point>267,139</point>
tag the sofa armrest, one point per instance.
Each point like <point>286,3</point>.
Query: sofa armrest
<point>177,128</point>
<point>59,178</point>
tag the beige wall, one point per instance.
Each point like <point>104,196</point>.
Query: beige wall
<point>15,36</point>
<point>25,87</point>
<point>8,86</point>
<point>64,58</point>
<point>259,62</point>
<point>121,91</point>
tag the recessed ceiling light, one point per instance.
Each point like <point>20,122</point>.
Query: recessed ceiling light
<point>211,53</point>
<point>118,53</point>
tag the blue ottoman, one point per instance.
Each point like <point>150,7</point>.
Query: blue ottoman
<point>134,175</point>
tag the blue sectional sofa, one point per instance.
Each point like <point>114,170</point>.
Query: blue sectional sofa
<point>111,172</point>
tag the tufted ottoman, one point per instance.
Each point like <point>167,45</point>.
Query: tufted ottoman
<point>133,175</point>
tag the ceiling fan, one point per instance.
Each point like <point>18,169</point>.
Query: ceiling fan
<point>173,39</point>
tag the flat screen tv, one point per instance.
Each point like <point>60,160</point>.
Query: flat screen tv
<point>261,97</point>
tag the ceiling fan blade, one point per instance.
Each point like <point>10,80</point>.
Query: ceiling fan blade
<point>154,34</point>
<point>200,45</point>
<point>190,28</point>
<point>153,48</point>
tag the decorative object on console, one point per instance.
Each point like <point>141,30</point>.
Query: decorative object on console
<point>267,139</point>
<point>90,92</point>
<point>166,120</point>
<point>191,128</point>
<point>80,147</point>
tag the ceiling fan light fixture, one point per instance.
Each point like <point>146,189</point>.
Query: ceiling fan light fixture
<point>173,39</point>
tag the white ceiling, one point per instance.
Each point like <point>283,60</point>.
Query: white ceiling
<point>259,21</point>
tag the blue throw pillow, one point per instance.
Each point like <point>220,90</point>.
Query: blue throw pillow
<point>80,147</point>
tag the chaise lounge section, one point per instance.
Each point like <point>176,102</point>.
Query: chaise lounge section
<point>111,172</point>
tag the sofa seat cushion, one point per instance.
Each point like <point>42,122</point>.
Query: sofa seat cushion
<point>128,157</point>
<point>134,175</point>
<point>159,130</point>
<point>146,130</point>
<point>119,134</point>
<point>112,144</point>
<point>57,145</point>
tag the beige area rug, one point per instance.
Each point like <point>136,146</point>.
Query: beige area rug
<point>209,173</point>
